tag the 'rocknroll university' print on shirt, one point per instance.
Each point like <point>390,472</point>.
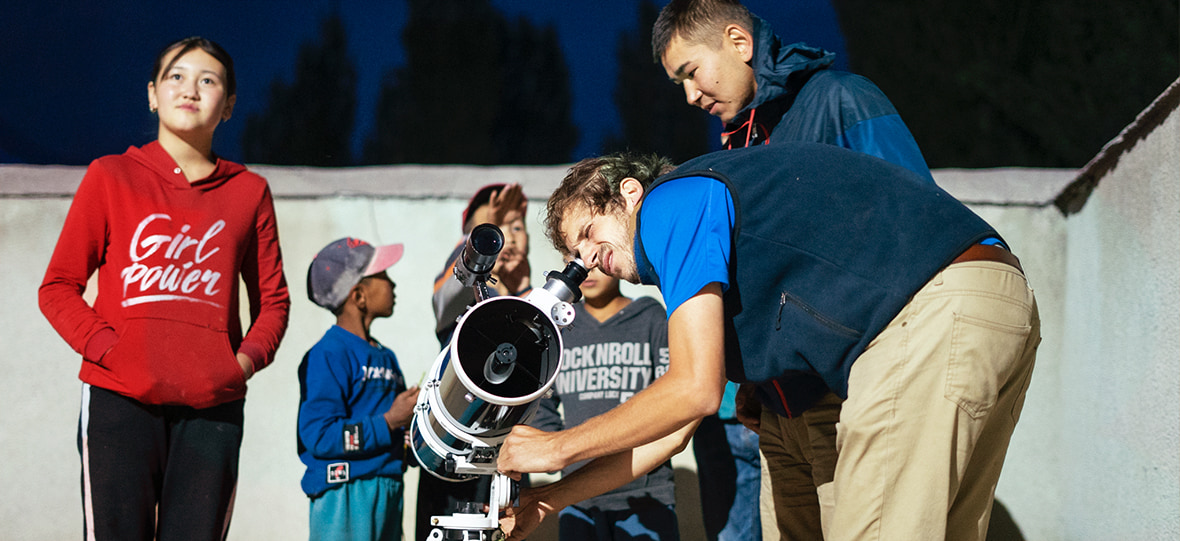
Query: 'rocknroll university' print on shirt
<point>610,370</point>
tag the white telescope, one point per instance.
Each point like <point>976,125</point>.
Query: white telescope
<point>504,355</point>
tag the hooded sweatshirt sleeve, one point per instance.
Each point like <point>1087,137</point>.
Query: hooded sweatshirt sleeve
<point>80,249</point>
<point>266,287</point>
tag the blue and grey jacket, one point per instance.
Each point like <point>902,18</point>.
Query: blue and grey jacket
<point>798,98</point>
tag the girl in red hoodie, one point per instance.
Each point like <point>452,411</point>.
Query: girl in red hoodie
<point>170,229</point>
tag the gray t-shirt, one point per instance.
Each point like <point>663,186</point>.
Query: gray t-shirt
<point>604,365</point>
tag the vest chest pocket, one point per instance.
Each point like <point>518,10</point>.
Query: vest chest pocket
<point>788,300</point>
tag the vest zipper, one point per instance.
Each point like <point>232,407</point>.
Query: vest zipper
<point>778,325</point>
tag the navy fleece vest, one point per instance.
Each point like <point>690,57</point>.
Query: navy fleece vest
<point>828,246</point>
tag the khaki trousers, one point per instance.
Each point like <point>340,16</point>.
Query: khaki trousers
<point>932,403</point>
<point>799,456</point>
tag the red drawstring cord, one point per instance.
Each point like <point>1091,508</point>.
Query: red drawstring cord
<point>750,131</point>
<point>750,126</point>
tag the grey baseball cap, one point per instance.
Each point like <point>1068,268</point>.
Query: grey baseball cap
<point>342,264</point>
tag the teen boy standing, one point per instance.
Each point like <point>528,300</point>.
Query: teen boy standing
<point>731,64</point>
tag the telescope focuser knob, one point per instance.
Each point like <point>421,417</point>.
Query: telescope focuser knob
<point>562,313</point>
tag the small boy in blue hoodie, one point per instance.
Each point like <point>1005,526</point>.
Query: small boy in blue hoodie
<point>353,402</point>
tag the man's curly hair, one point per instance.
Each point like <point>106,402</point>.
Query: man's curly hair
<point>594,182</point>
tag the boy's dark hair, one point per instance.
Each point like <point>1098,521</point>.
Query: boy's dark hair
<point>196,42</point>
<point>594,182</point>
<point>696,21</point>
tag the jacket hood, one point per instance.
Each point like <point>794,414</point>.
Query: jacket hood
<point>781,70</point>
<point>154,157</point>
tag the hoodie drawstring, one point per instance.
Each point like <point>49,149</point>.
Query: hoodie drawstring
<point>750,126</point>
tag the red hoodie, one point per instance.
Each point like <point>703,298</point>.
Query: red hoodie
<point>169,255</point>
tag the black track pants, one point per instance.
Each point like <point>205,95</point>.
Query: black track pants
<point>156,472</point>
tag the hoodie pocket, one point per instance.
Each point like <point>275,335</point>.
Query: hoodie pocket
<point>161,361</point>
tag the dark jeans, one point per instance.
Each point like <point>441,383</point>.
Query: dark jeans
<point>730,480</point>
<point>647,519</point>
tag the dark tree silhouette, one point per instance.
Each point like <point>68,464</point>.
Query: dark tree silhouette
<point>1004,83</point>
<point>535,124</point>
<point>654,114</point>
<point>310,121</point>
<point>474,90</point>
<point>383,145</point>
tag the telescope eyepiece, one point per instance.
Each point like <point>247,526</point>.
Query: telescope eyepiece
<point>564,285</point>
<point>575,271</point>
<point>485,240</point>
<point>479,254</point>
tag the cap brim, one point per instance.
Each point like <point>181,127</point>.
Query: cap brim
<point>383,258</point>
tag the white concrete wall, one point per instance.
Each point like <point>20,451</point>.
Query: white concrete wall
<point>1119,401</point>
<point>1095,455</point>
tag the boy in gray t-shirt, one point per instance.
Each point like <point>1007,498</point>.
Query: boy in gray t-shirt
<point>614,349</point>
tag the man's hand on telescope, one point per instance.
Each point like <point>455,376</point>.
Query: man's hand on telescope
<point>401,412</point>
<point>529,450</point>
<point>520,521</point>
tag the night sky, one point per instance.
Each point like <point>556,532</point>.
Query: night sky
<point>76,72</point>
